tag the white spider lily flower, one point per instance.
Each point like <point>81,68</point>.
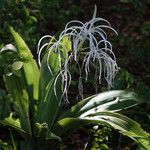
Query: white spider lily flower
<point>89,42</point>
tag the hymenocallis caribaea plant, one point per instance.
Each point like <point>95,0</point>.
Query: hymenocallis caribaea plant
<point>37,92</point>
<point>88,46</point>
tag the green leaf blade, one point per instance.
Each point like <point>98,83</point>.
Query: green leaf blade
<point>107,101</point>
<point>123,124</point>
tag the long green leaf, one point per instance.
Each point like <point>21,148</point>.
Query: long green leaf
<point>30,68</point>
<point>30,80</point>
<point>48,111</point>
<point>49,99</point>
<point>46,76</point>
<point>107,101</point>
<point>123,124</point>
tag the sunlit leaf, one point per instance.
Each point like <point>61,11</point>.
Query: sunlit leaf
<point>107,101</point>
<point>123,124</point>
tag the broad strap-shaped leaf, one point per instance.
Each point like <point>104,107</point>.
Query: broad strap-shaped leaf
<point>49,108</point>
<point>107,101</point>
<point>123,124</point>
<point>30,68</point>
<point>50,85</point>
<point>46,76</point>
<point>49,91</point>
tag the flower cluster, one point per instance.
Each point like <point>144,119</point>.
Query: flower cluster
<point>88,40</point>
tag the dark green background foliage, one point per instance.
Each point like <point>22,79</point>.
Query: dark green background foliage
<point>4,105</point>
<point>35,18</point>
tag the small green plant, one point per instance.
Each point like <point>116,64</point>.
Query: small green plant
<point>37,110</point>
<point>100,138</point>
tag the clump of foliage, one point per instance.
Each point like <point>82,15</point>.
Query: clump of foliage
<point>38,93</point>
<point>100,138</point>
